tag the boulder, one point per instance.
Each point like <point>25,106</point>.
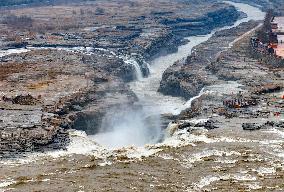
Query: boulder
<point>250,126</point>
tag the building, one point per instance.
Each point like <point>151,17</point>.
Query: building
<point>277,26</point>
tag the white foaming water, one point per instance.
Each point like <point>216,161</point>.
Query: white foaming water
<point>135,64</point>
<point>87,50</point>
<point>4,184</point>
<point>206,181</point>
<point>12,51</point>
<point>127,126</point>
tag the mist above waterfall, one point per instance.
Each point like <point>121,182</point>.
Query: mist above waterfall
<point>140,124</point>
<point>128,125</point>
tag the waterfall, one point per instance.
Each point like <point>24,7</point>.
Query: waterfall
<point>136,66</point>
<point>189,102</point>
<point>148,66</point>
<point>126,126</point>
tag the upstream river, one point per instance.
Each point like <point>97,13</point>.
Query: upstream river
<point>130,158</point>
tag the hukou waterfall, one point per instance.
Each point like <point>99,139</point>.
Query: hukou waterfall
<point>127,126</point>
<point>133,95</point>
<point>141,124</point>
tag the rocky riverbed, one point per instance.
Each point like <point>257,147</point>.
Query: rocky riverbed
<point>186,78</point>
<point>69,74</point>
<point>230,139</point>
<point>136,27</point>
